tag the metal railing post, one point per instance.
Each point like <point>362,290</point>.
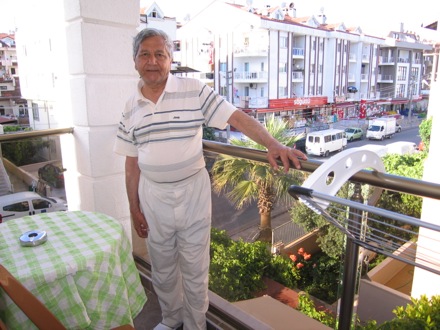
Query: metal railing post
<point>350,266</point>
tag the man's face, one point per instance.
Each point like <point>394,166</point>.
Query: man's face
<point>152,61</point>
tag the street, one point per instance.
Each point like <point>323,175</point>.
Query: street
<point>244,223</point>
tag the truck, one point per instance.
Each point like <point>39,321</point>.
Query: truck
<point>381,128</point>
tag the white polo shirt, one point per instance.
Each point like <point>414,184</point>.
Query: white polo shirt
<point>167,136</point>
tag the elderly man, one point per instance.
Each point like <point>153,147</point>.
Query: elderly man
<point>168,187</point>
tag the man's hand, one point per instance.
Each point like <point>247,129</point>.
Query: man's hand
<point>140,224</point>
<point>278,151</point>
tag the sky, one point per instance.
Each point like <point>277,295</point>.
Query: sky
<point>373,16</point>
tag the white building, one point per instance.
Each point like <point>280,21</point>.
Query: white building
<point>269,60</point>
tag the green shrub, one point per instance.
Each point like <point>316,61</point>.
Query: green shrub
<point>420,314</point>
<point>22,152</point>
<point>307,307</point>
<point>237,268</point>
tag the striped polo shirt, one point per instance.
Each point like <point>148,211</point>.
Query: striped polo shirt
<point>167,136</point>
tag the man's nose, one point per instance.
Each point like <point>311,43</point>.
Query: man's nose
<point>151,59</point>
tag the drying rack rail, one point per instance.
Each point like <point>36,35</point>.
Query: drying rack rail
<point>396,235</point>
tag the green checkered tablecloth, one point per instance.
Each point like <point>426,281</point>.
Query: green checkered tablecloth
<point>84,273</point>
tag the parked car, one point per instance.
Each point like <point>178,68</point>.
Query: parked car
<point>20,204</point>
<point>398,128</point>
<point>52,174</point>
<point>354,133</point>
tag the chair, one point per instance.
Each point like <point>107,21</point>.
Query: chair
<point>31,306</point>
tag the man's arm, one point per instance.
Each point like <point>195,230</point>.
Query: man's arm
<point>132,176</point>
<point>257,132</point>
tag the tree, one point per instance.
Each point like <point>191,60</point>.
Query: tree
<point>329,238</point>
<point>245,181</point>
<point>22,152</point>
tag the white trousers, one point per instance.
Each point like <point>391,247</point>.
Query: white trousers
<point>179,218</point>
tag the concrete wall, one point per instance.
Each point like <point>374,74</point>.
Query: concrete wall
<point>370,306</point>
<point>377,302</point>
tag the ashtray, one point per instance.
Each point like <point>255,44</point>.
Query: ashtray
<point>33,238</point>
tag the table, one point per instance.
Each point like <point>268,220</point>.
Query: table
<point>84,273</point>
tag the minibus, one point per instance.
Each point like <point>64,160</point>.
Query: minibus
<point>322,143</point>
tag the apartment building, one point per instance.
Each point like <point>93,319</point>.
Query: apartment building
<point>302,68</point>
<point>12,105</point>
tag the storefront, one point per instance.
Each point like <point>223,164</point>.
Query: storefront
<point>297,111</point>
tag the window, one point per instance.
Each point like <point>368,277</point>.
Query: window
<point>35,112</point>
<point>283,42</point>
<point>282,67</point>
<point>153,13</point>
<point>176,45</point>
<point>282,91</point>
<point>17,207</point>
<point>41,204</point>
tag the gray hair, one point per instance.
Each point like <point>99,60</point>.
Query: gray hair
<point>151,32</point>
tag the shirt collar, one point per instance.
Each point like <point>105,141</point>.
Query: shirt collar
<point>170,87</point>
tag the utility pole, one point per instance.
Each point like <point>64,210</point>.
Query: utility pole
<point>411,89</point>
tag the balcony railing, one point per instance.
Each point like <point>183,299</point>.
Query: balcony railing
<point>298,52</point>
<point>260,76</point>
<point>219,309</point>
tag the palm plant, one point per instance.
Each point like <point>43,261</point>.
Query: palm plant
<point>244,181</point>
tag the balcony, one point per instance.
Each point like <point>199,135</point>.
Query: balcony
<point>297,52</point>
<point>248,51</point>
<point>365,58</point>
<point>250,77</point>
<point>385,78</point>
<point>297,76</point>
<point>222,314</point>
<point>386,60</point>
<point>246,102</point>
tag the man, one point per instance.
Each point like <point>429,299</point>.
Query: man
<point>168,187</point>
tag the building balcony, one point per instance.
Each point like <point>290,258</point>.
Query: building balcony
<point>250,77</point>
<point>386,60</point>
<point>385,78</point>
<point>297,76</point>
<point>365,58</point>
<point>249,51</point>
<point>226,315</point>
<point>246,102</point>
<point>298,52</point>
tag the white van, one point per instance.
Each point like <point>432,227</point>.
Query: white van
<point>322,143</point>
<point>20,204</point>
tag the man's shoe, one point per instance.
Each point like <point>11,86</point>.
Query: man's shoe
<point>162,326</point>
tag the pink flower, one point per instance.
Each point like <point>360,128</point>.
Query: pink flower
<point>301,251</point>
<point>292,257</point>
<point>299,265</point>
<point>307,256</point>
